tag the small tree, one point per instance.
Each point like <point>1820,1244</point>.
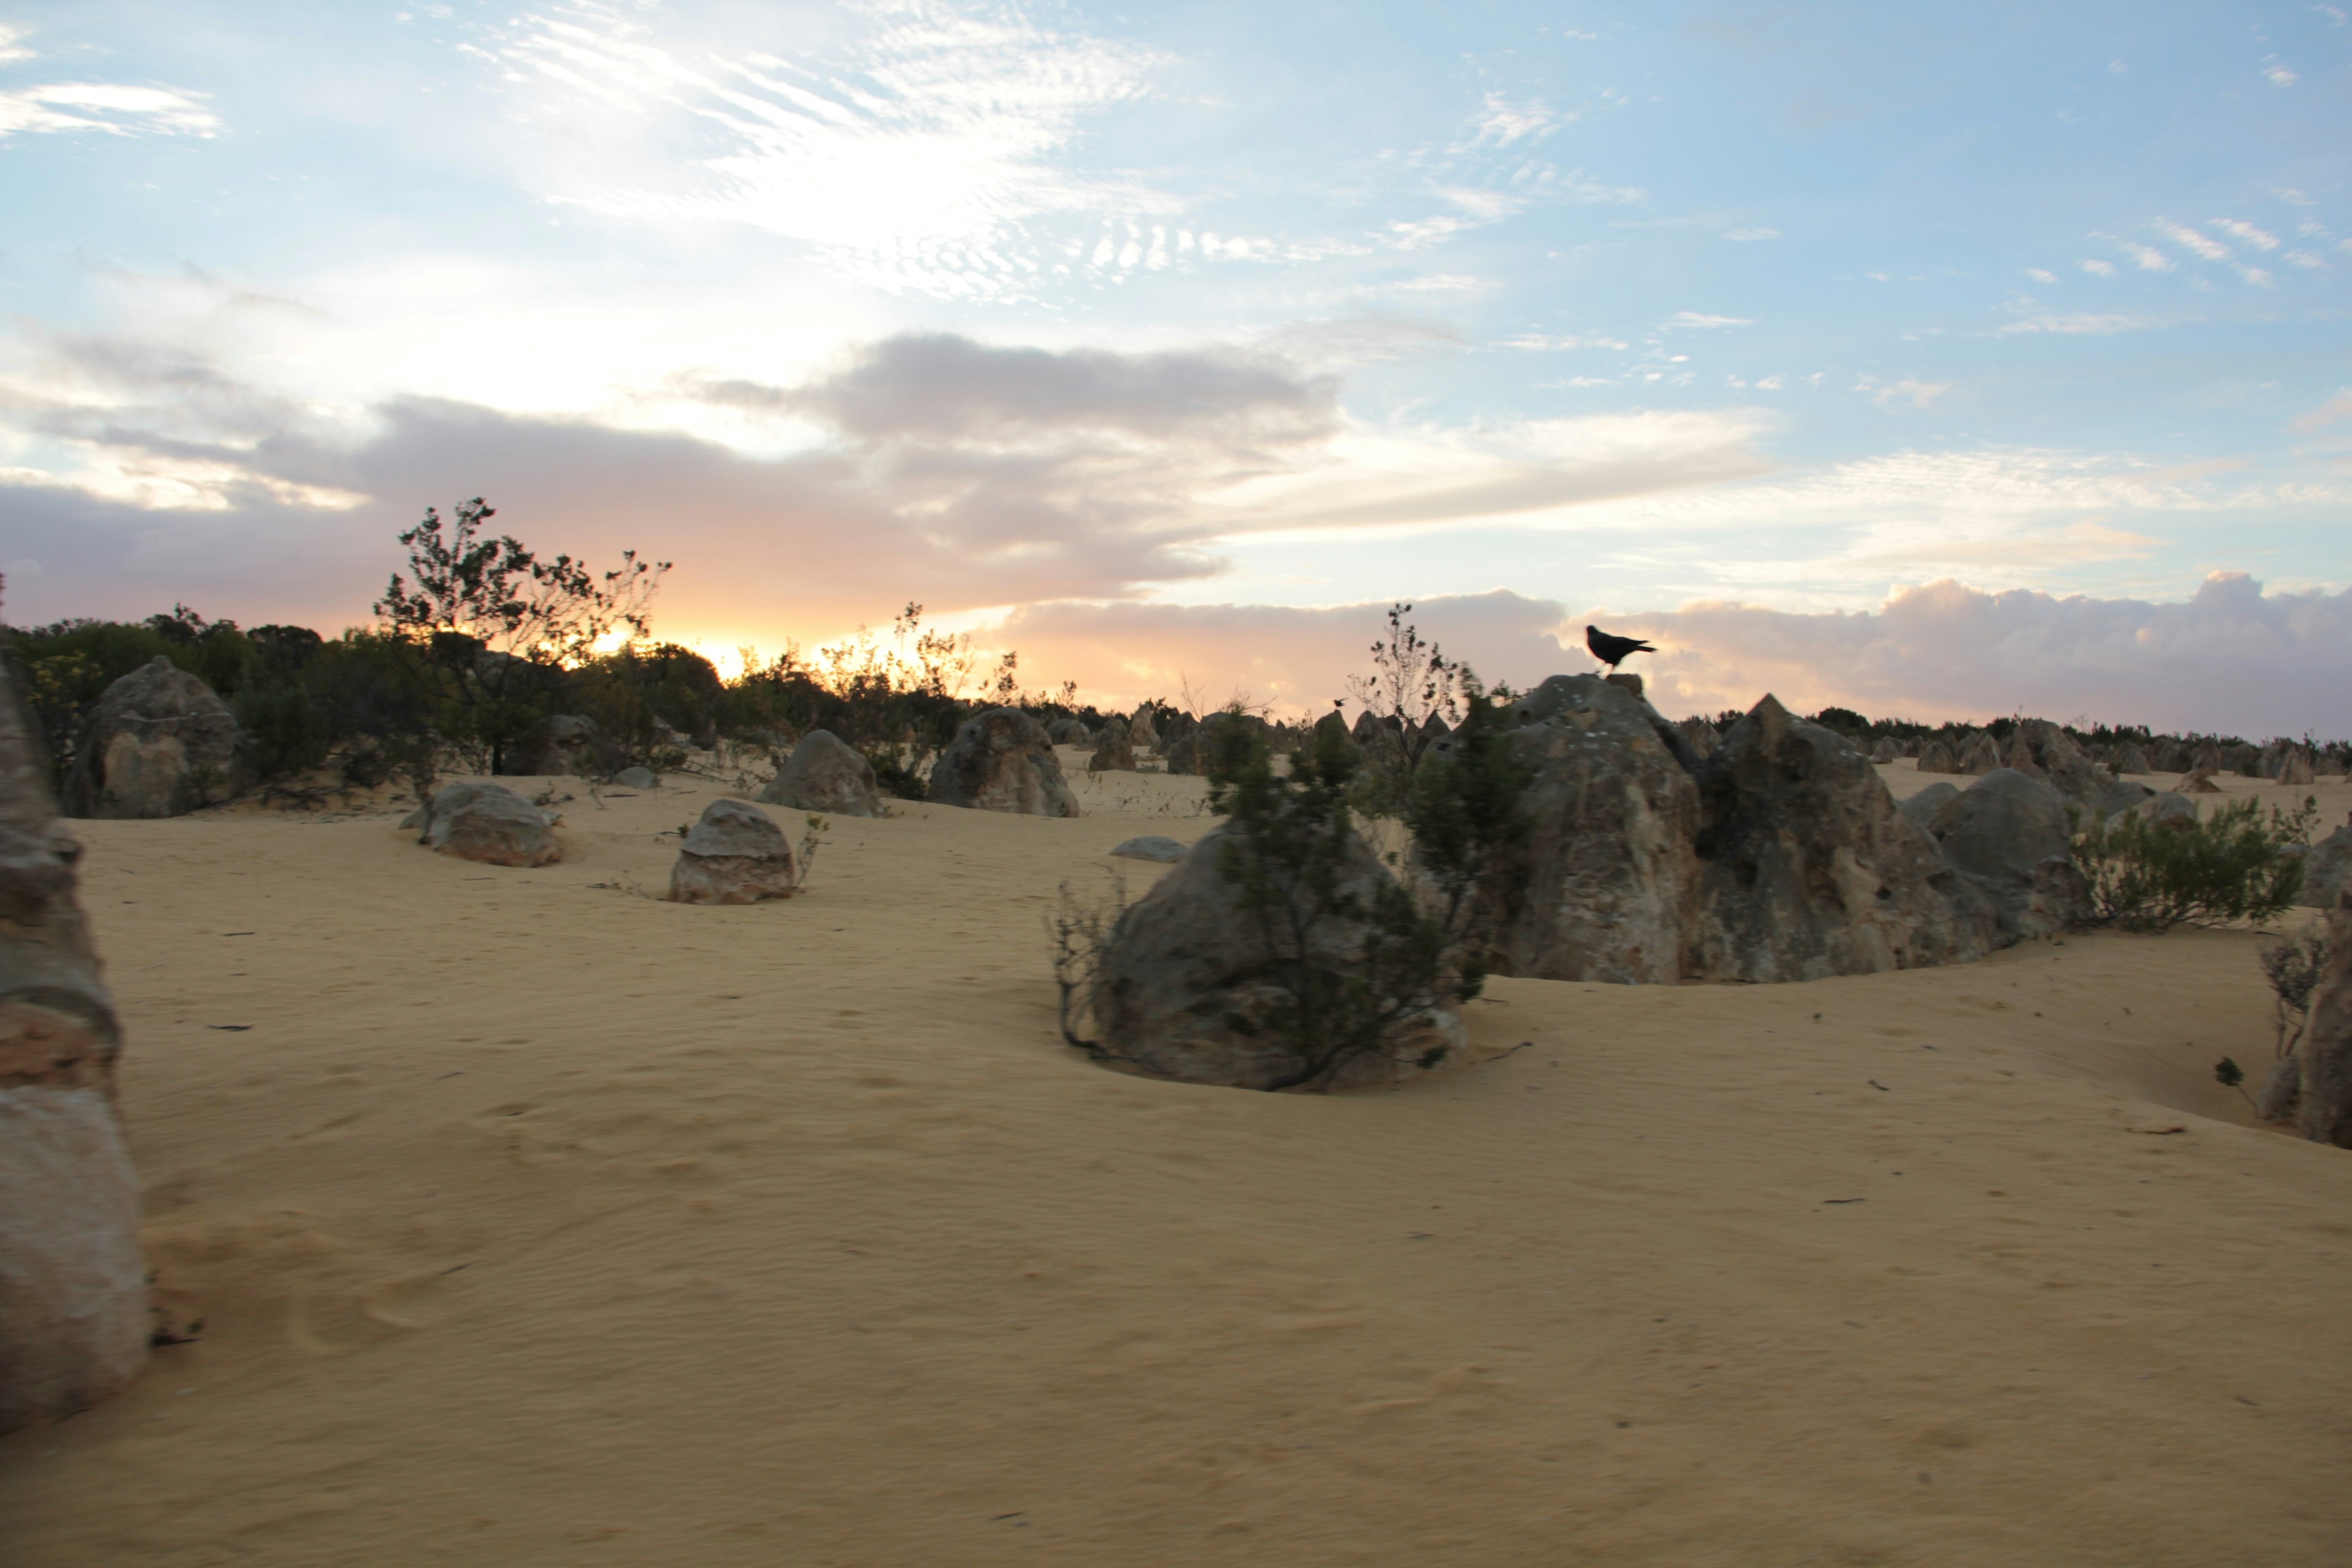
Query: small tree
<point>1413,943</point>
<point>490,625</point>
<point>1410,683</point>
<point>2233,866</point>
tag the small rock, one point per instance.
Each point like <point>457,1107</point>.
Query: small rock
<point>1151,847</point>
<point>486,823</point>
<point>825,774</point>
<point>637,778</point>
<point>735,855</point>
<point>159,745</point>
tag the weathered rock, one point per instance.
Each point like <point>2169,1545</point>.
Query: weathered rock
<point>1114,750</point>
<point>2282,1090</point>
<point>566,746</point>
<point>2324,1108</point>
<point>73,1285</point>
<point>1068,731</point>
<point>1700,736</point>
<point>2328,870</point>
<point>2199,781</point>
<point>1151,847</point>
<point>637,778</point>
<point>1187,987</point>
<point>1612,891</point>
<point>2271,758</point>
<point>1979,754</point>
<point>1920,809</point>
<point>735,855</point>
<point>2040,749</point>
<point>1625,680</point>
<point>825,774</point>
<point>2009,836</point>
<point>1142,731</point>
<point>1936,757</point>
<point>1887,750</point>
<point>1002,761</point>
<point>159,745</point>
<point>488,822</point>
<point>2295,768</point>
<point>2132,758</point>
<point>1807,868</point>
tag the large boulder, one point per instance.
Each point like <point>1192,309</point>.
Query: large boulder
<point>1001,760</point>
<point>735,855</point>
<point>2132,758</point>
<point>1114,750</point>
<point>2328,870</point>
<point>2295,768</point>
<point>1142,731</point>
<point>2010,836</point>
<point>1699,736</point>
<point>568,745</point>
<point>2324,1103</point>
<point>73,1285</point>
<point>1936,757</point>
<point>2174,813</point>
<point>1612,891</point>
<point>1979,754</point>
<point>1188,985</point>
<point>1807,868</point>
<point>159,745</point>
<point>1920,809</point>
<point>1887,749</point>
<point>825,774</point>
<point>486,823</point>
<point>1069,731</point>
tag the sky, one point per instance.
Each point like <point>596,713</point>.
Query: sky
<point>1943,361</point>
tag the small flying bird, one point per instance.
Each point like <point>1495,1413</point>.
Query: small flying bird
<point>1611,650</point>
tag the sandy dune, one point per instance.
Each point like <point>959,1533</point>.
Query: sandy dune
<point>536,1222</point>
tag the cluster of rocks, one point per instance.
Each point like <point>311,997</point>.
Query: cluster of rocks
<point>1979,752</point>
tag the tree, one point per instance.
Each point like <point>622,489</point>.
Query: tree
<point>1410,683</point>
<point>490,625</point>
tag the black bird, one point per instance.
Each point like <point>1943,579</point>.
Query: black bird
<point>1611,650</point>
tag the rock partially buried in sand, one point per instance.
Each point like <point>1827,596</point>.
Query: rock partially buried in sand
<point>637,778</point>
<point>1810,871</point>
<point>1151,846</point>
<point>2326,870</point>
<point>2009,834</point>
<point>1186,990</point>
<point>1001,760</point>
<point>1114,749</point>
<point>486,823</point>
<point>73,1286</point>
<point>735,855</point>
<point>2324,1100</point>
<point>160,744</point>
<point>1920,809</point>
<point>825,774</point>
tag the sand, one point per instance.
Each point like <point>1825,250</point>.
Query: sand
<point>533,1221</point>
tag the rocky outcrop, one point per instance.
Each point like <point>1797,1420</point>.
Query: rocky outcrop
<point>1068,731</point>
<point>1001,760</point>
<point>1807,868</point>
<point>735,855</point>
<point>1887,750</point>
<point>1188,984</point>
<point>1114,752</point>
<point>1936,757</point>
<point>73,1285</point>
<point>2324,1105</point>
<point>825,774</point>
<point>2010,837</point>
<point>1700,736</point>
<point>2040,749</point>
<point>1142,733</point>
<point>159,745</point>
<point>1612,888</point>
<point>1920,809</point>
<point>2132,758</point>
<point>568,745</point>
<point>485,823</point>
<point>1979,754</point>
<point>2328,870</point>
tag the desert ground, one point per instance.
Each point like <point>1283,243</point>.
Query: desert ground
<point>531,1220</point>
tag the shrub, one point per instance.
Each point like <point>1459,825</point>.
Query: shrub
<point>2231,866</point>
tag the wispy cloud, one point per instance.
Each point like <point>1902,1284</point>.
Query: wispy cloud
<point>2189,239</point>
<point>2097,269</point>
<point>1702,320</point>
<point>1500,122</point>
<point>1748,234</point>
<point>2079,323</point>
<point>1559,341</point>
<point>2260,239</point>
<point>1917,394</point>
<point>115,109</point>
<point>2146,256</point>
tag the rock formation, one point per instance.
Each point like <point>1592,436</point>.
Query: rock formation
<point>1920,809</point>
<point>1979,754</point>
<point>1188,987</point>
<point>2009,836</point>
<point>1114,750</point>
<point>1151,846</point>
<point>2295,768</point>
<point>735,855</point>
<point>73,1286</point>
<point>1002,761</point>
<point>2132,758</point>
<point>567,746</point>
<point>1612,886</point>
<point>2326,870</point>
<point>1700,736</point>
<point>1142,733</point>
<point>1936,757</point>
<point>160,744</point>
<point>2324,1105</point>
<point>485,822</point>
<point>825,774</point>
<point>1069,731</point>
<point>1886,750</point>
<point>1808,870</point>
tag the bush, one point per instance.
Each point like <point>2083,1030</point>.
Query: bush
<point>2233,866</point>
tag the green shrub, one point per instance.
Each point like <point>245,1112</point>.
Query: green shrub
<point>2233,866</point>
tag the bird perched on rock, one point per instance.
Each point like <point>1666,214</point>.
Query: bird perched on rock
<point>1612,650</point>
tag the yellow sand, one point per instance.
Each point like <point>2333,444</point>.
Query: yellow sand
<point>533,1221</point>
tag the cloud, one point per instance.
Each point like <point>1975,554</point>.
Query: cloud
<point>114,108</point>
<point>2189,239</point>
<point>2335,408</point>
<point>2079,323</point>
<point>2231,658</point>
<point>2279,75</point>
<point>1702,322</point>
<point>1556,343</point>
<point>2041,275</point>
<point>2259,238</point>
<point>1500,122</point>
<point>12,43</point>
<point>2147,257</point>
<point>1751,234</point>
<point>1917,394</point>
<point>2099,268</point>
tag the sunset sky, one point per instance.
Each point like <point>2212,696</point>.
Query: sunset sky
<point>1948,360</point>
